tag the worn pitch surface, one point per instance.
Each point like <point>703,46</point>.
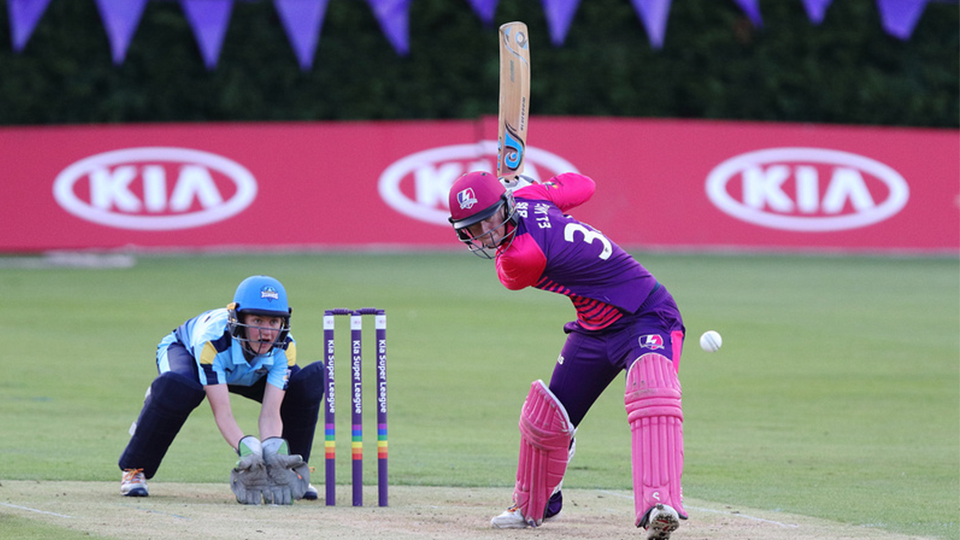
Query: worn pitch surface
<point>175,511</point>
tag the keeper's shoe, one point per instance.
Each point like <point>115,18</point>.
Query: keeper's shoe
<point>133,483</point>
<point>310,494</point>
<point>659,522</point>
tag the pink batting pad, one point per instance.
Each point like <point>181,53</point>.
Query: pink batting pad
<point>655,413</point>
<point>676,337</point>
<point>545,433</point>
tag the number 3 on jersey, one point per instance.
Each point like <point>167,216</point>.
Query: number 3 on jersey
<point>588,236</point>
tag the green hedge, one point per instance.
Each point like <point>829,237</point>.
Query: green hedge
<point>714,65</point>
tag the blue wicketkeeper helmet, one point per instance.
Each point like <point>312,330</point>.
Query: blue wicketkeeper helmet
<point>259,295</point>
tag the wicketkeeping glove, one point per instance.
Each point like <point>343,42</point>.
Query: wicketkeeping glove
<point>288,474</point>
<point>248,479</point>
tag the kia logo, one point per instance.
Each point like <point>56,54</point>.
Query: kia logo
<point>155,188</point>
<point>807,189</point>
<point>417,186</point>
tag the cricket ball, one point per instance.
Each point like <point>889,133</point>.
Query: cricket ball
<point>711,341</point>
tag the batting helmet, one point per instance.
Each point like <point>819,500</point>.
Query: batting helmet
<point>477,196</point>
<point>474,197</point>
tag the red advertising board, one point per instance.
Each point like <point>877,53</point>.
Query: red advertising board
<point>662,184</point>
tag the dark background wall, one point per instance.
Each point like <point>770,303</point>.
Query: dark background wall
<point>714,65</point>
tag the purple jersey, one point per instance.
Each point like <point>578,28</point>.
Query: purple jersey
<point>554,252</point>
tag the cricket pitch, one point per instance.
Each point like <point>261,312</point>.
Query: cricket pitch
<point>175,511</point>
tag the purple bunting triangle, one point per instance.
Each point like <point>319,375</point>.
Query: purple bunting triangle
<point>559,16</point>
<point>394,18</point>
<point>900,17</point>
<point>752,9</point>
<point>120,18</point>
<point>816,9</point>
<point>208,19</point>
<point>302,20</point>
<point>653,15</point>
<point>485,9</point>
<point>24,16</point>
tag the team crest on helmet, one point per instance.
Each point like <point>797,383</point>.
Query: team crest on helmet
<point>269,293</point>
<point>651,341</point>
<point>466,198</point>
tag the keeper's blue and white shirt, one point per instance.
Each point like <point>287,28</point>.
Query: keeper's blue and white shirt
<point>220,358</point>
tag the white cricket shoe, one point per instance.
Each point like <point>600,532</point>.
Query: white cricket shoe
<point>661,522</point>
<point>511,518</point>
<point>310,494</point>
<point>133,483</point>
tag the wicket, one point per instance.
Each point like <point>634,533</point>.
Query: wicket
<point>356,391</point>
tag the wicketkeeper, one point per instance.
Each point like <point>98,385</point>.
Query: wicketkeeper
<point>626,321</point>
<point>246,349</point>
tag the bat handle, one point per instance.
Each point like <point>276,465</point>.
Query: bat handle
<point>517,181</point>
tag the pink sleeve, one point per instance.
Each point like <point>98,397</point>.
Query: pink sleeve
<point>567,190</point>
<point>522,264</point>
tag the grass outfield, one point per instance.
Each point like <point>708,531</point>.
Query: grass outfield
<point>836,394</point>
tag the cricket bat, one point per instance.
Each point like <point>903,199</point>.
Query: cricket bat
<point>514,100</point>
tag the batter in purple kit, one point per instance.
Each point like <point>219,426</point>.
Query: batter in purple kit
<point>626,322</point>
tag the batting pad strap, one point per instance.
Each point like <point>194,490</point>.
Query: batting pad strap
<point>545,434</point>
<point>654,410</point>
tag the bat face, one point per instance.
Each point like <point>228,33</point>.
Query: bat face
<point>514,99</point>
